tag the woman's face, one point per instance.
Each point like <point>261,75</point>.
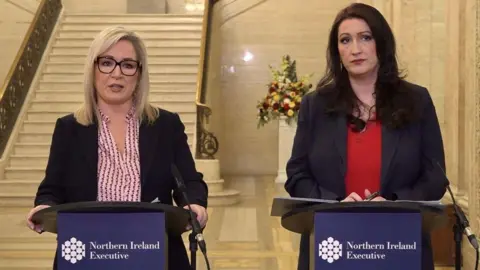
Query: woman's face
<point>116,74</point>
<point>357,48</point>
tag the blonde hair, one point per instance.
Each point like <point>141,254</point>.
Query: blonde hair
<point>88,111</point>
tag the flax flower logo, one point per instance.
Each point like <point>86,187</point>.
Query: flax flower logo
<point>73,250</point>
<point>330,250</point>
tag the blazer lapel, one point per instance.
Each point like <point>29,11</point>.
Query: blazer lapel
<point>147,144</point>
<point>390,140</point>
<point>340,138</point>
<point>87,142</point>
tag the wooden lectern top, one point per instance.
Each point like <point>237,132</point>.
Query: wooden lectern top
<point>176,218</point>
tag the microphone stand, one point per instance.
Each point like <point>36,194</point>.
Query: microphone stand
<point>457,234</point>
<point>193,250</point>
<point>196,236</point>
<point>461,225</point>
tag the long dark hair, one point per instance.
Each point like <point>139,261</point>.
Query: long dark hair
<point>395,103</point>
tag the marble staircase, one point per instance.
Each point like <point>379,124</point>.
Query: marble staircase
<point>173,44</point>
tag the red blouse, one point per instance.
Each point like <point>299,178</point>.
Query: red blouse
<point>364,152</point>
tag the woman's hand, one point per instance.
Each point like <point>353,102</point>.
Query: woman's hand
<point>202,215</point>
<point>35,227</point>
<point>353,197</point>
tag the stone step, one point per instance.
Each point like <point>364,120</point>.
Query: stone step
<point>133,26</point>
<point>146,34</point>
<point>37,243</point>
<point>215,185</point>
<point>9,261</point>
<point>167,51</point>
<point>78,77</point>
<point>185,115</point>
<point>225,197</point>
<point>152,59</point>
<point>17,199</point>
<point>132,19</point>
<point>154,68</point>
<point>46,137</point>
<point>210,169</point>
<point>38,137</point>
<point>77,95</point>
<point>72,106</point>
<point>31,148</point>
<point>33,252</point>
<point>154,85</point>
<point>151,43</point>
<point>30,126</point>
<point>19,186</point>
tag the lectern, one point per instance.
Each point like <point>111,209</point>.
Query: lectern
<point>361,235</point>
<point>112,235</point>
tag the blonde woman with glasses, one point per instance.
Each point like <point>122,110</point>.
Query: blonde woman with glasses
<point>117,146</point>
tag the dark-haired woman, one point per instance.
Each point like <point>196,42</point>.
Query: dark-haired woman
<point>365,128</point>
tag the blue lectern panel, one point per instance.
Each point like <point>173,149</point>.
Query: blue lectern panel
<point>366,241</point>
<point>103,241</point>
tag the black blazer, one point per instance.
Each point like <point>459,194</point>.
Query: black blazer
<point>71,173</point>
<point>318,162</point>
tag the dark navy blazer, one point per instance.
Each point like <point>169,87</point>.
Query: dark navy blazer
<point>318,162</point>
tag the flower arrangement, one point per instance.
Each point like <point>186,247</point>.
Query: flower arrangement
<point>285,94</point>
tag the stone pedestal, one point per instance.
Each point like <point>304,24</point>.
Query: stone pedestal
<point>218,195</point>
<point>286,134</point>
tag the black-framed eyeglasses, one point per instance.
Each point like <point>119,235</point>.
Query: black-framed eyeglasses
<point>107,65</point>
<point>356,124</point>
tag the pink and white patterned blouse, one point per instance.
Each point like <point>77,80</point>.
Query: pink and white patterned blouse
<point>118,174</point>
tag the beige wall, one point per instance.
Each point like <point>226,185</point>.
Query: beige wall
<point>438,45</point>
<point>272,28</point>
<point>15,19</point>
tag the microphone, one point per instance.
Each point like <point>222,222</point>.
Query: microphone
<point>197,230</point>
<point>460,214</point>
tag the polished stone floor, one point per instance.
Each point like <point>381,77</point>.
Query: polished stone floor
<point>244,236</point>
